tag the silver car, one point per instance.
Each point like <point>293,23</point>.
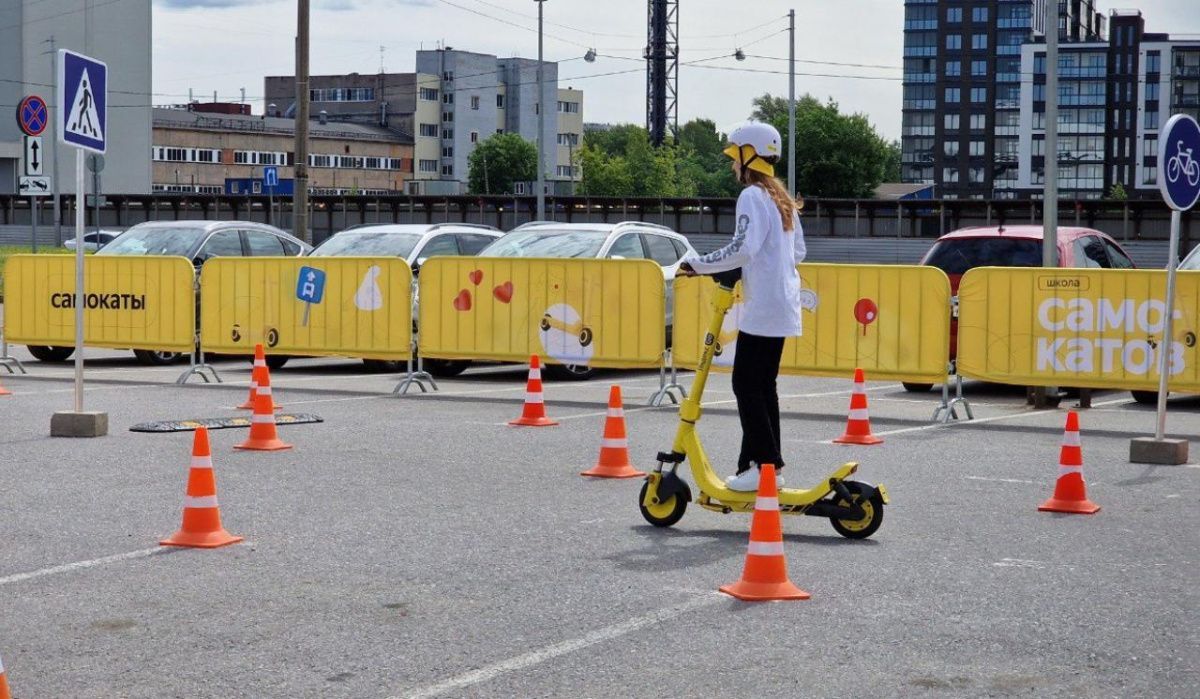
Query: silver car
<point>628,240</point>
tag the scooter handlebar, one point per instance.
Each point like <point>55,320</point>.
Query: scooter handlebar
<point>728,278</point>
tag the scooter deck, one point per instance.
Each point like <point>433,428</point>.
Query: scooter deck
<point>714,495</point>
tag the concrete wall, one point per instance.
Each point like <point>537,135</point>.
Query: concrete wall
<point>118,34</point>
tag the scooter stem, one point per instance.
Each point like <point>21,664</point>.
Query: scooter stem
<point>722,301</point>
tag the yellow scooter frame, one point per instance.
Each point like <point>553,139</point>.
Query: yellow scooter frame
<point>855,509</point>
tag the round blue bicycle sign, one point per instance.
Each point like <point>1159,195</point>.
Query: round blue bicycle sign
<point>1179,162</point>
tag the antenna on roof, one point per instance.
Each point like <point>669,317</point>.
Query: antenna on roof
<point>382,49</point>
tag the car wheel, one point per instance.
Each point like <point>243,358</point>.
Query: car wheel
<point>1145,397</point>
<point>917,387</point>
<point>153,358</point>
<point>382,366</point>
<point>571,372</point>
<point>50,354</point>
<point>276,361</point>
<point>446,368</point>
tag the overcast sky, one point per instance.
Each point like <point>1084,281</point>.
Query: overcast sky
<point>225,45</point>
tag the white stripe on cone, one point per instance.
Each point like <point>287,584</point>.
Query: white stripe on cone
<point>860,388</point>
<point>535,374</point>
<point>202,462</point>
<point>765,503</point>
<point>616,412</point>
<point>1,666</point>
<point>1071,439</point>
<point>766,548</point>
<point>262,419</point>
<point>614,444</point>
<point>204,501</point>
<point>533,398</point>
<point>1066,470</point>
<point>260,362</point>
<point>859,414</point>
<point>264,390</point>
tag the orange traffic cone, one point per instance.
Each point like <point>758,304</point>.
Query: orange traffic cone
<point>263,435</point>
<point>1070,493</point>
<point>4,392</point>
<point>614,447</point>
<point>765,575</point>
<point>858,424</point>
<point>260,365</point>
<point>201,516</point>
<point>4,694</point>
<point>534,413</point>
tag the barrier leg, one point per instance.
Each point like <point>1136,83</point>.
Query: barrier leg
<point>6,361</point>
<point>948,409</point>
<point>197,367</point>
<point>418,377</point>
<point>667,389</point>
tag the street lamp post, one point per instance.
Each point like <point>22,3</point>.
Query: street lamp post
<point>792,102</point>
<point>541,135</point>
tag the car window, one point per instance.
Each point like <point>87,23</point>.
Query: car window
<point>548,243</point>
<point>154,240</point>
<point>368,243</point>
<point>472,243</point>
<point>628,246</point>
<point>263,244</point>
<point>222,244</point>
<point>957,255</point>
<point>661,249</point>
<point>440,245</point>
<point>1119,259</point>
<point>680,248</point>
<point>1089,252</point>
<point>290,248</point>
<point>1192,261</point>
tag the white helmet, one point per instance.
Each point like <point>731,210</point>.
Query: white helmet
<point>752,143</point>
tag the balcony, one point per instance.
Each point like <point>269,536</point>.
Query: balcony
<point>1186,101</point>
<point>1187,71</point>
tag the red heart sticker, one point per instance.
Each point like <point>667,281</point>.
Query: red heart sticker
<point>476,277</point>
<point>462,302</point>
<point>504,292</point>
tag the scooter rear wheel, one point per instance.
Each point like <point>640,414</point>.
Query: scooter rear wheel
<point>665,513</point>
<point>872,513</point>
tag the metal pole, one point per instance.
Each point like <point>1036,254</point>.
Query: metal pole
<point>33,219</point>
<point>80,202</point>
<point>792,103</point>
<point>96,199</point>
<point>52,140</point>
<point>300,217</point>
<point>541,136</point>
<point>1050,208</point>
<point>1164,347</point>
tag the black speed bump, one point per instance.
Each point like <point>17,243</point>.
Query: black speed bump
<point>219,423</point>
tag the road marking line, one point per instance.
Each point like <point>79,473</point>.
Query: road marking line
<point>998,480</point>
<point>520,662</point>
<point>976,421</point>
<point>1018,563</point>
<point>80,565</point>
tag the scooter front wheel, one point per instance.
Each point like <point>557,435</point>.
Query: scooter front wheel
<point>665,513</point>
<point>872,512</point>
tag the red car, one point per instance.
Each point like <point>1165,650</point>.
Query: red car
<point>1016,246</point>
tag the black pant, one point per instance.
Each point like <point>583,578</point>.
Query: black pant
<point>755,368</point>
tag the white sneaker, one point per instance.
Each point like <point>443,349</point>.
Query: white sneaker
<point>747,481</point>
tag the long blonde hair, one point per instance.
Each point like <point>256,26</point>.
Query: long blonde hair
<point>788,207</point>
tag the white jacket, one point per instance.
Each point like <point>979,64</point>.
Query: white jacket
<point>768,256</point>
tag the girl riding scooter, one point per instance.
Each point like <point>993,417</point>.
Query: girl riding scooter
<point>767,245</point>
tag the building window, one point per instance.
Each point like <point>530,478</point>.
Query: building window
<point>568,107</point>
<point>566,171</point>
<point>1150,147</point>
<point>1151,119</point>
<point>320,161</point>
<point>1151,92</point>
<point>953,69</point>
<point>448,170</point>
<point>977,148</point>
<point>447,134</point>
<point>954,15</point>
<point>953,95</point>
<point>475,102</point>
<point>448,98</point>
<point>978,69</point>
<point>447,117</point>
<point>430,166</point>
<point>568,139</point>
<point>448,76</point>
<point>979,41</point>
<point>949,175</point>
<point>979,14</point>
<point>951,122</point>
<point>1149,174</point>
<point>474,137</point>
<point>1153,61</point>
<point>342,94</point>
<point>429,94</point>
<point>954,42</point>
<point>950,148</point>
<point>979,95</point>
<point>499,101</point>
<point>978,122</point>
<point>429,130</point>
<point>448,152</point>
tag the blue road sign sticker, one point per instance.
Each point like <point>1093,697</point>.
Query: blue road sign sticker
<point>310,288</point>
<point>271,176</point>
<point>83,101</point>
<point>1179,162</point>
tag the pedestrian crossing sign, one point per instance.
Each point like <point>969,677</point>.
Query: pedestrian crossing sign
<point>82,101</point>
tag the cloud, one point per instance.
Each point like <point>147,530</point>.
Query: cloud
<point>188,4</point>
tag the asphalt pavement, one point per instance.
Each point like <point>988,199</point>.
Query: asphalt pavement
<point>418,546</point>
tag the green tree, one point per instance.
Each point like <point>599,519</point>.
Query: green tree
<point>498,162</point>
<point>621,162</point>
<point>704,162</point>
<point>837,155</point>
<point>1117,192</point>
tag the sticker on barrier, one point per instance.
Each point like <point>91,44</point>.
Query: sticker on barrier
<point>892,321</point>
<point>316,306</point>
<point>600,313</point>
<point>129,302</point>
<point>1077,328</point>
<point>221,423</point>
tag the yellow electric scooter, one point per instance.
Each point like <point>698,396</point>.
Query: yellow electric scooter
<point>855,509</point>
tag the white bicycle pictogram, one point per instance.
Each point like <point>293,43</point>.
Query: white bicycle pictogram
<point>1183,163</point>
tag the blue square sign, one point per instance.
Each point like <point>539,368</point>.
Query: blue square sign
<point>82,101</point>
<point>271,176</point>
<point>310,285</point>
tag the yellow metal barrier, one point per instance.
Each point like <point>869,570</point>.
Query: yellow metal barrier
<point>312,306</point>
<point>1076,328</point>
<point>601,313</point>
<point>892,321</point>
<point>130,302</point>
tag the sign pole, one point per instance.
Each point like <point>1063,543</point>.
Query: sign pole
<point>80,203</point>
<point>33,218</point>
<point>1164,348</point>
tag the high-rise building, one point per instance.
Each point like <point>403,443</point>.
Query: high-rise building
<point>962,88</point>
